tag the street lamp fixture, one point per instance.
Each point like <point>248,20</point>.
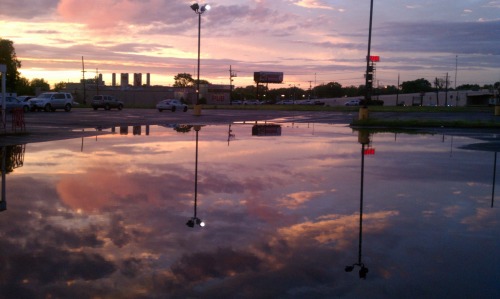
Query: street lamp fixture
<point>195,220</point>
<point>362,271</point>
<point>199,10</point>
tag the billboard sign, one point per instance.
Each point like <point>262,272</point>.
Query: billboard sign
<point>268,77</point>
<point>375,58</point>
<point>266,130</point>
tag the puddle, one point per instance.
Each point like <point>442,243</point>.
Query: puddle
<point>299,211</point>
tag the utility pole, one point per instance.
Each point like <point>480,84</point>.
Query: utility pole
<point>397,93</point>
<point>446,92</point>
<point>97,81</point>
<point>232,74</point>
<point>83,82</point>
<point>456,69</point>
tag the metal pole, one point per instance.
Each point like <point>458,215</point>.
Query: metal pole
<point>361,202</point>
<point>198,73</point>
<point>397,94</point>
<point>369,89</point>
<point>456,70</point>
<point>196,176</point>
<point>494,179</point>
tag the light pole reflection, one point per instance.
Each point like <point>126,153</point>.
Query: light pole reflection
<point>488,147</point>
<point>494,179</point>
<point>364,139</point>
<point>195,220</point>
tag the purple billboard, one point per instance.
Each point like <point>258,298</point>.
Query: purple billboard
<point>268,77</point>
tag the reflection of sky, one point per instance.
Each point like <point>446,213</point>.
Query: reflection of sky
<point>282,217</point>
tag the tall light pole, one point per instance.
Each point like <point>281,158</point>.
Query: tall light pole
<point>369,71</point>
<point>363,111</point>
<point>199,10</point>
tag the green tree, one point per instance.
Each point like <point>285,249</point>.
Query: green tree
<point>184,80</point>
<point>8,57</point>
<point>39,85</point>
<point>469,87</point>
<point>329,90</point>
<point>59,86</point>
<point>23,87</point>
<point>242,93</point>
<point>419,85</point>
<point>353,91</point>
<point>202,81</point>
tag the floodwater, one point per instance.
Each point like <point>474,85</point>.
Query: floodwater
<point>306,211</point>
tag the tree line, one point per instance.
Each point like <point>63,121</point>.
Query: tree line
<point>23,86</point>
<point>336,90</point>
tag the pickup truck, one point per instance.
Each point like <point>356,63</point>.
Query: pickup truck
<point>106,102</point>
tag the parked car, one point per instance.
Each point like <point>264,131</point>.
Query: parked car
<point>306,102</point>
<point>50,101</point>
<point>25,98</point>
<point>236,102</point>
<point>172,105</point>
<point>251,102</point>
<point>354,102</point>
<point>13,103</point>
<point>106,102</point>
<point>285,102</point>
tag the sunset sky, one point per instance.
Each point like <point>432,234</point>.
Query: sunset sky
<point>311,41</point>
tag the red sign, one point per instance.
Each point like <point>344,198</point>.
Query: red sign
<point>374,58</point>
<point>369,151</point>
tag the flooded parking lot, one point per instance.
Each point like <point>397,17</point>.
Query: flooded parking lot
<point>292,210</point>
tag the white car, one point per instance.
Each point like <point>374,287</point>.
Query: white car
<point>171,105</point>
<point>251,102</point>
<point>353,102</point>
<point>13,103</point>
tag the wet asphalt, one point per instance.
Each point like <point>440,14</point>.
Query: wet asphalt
<point>83,122</point>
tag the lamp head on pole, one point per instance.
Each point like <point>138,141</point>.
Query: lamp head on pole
<point>205,7</point>
<point>199,10</point>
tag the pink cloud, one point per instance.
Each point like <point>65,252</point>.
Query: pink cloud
<point>103,14</point>
<point>108,14</point>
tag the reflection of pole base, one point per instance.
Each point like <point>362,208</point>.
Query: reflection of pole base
<point>197,110</point>
<point>364,137</point>
<point>363,113</point>
<point>497,110</point>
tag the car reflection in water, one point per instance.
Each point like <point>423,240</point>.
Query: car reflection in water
<point>105,216</point>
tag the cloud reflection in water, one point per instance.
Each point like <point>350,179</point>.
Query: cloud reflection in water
<point>281,212</point>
